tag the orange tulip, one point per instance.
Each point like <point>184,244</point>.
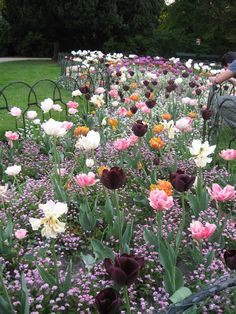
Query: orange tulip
<point>81,130</point>
<point>129,114</point>
<point>192,114</point>
<point>156,143</point>
<point>113,123</point>
<point>158,128</point>
<point>100,170</point>
<point>166,116</point>
<point>134,97</point>
<point>134,85</point>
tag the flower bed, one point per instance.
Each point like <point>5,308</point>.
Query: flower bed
<point>118,209</point>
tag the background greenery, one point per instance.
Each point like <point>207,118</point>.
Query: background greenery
<point>43,28</point>
<point>29,72</point>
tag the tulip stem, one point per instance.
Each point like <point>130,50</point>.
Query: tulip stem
<point>127,300</point>
<point>54,257</point>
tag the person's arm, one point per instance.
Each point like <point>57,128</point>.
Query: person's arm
<point>233,81</point>
<point>218,79</point>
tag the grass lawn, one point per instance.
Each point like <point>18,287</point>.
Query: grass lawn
<point>29,72</point>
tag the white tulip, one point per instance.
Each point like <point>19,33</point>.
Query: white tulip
<point>46,105</point>
<point>31,114</point>
<point>88,142</point>
<point>51,225</point>
<point>54,128</point>
<point>13,170</point>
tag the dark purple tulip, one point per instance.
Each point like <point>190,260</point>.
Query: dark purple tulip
<point>206,114</point>
<point>192,84</point>
<point>139,128</point>
<point>125,87</point>
<point>145,83</point>
<point>131,73</point>
<point>107,301</point>
<point>113,179</point>
<point>125,269</point>
<point>133,109</point>
<point>180,181</point>
<point>84,89</point>
<point>156,161</point>
<point>147,94</point>
<point>198,91</point>
<point>154,83</point>
<point>185,74</point>
<point>230,258</point>
<point>150,103</point>
<point>165,72</point>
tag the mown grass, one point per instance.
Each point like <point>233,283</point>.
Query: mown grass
<point>29,72</point>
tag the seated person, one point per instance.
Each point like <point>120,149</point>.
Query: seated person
<point>229,63</point>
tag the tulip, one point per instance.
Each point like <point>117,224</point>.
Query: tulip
<point>139,128</point>
<point>114,178</point>
<point>107,301</point>
<point>221,195</point>
<point>228,154</point>
<point>13,170</point>
<point>125,269</point>
<point>20,234</point>
<point>206,114</point>
<point>51,224</point>
<point>150,104</point>
<point>159,200</point>
<point>121,144</point>
<point>181,181</point>
<point>84,180</point>
<point>15,112</point>
<point>200,232</point>
<point>230,258</point>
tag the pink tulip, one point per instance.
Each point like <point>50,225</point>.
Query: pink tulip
<point>122,111</point>
<point>15,112</point>
<point>159,200</point>
<point>100,90</point>
<point>200,232</point>
<point>72,104</point>
<point>113,93</point>
<point>184,124</point>
<point>221,195</point>
<point>72,111</point>
<point>145,109</point>
<point>121,144</point>
<point>84,179</point>
<point>133,139</point>
<point>12,136</point>
<point>67,125</point>
<point>228,154</point>
<point>139,105</point>
<point>20,234</point>
<point>127,100</point>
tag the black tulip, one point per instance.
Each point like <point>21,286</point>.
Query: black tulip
<point>125,270</point>
<point>107,301</point>
<point>206,114</point>
<point>114,178</point>
<point>230,258</point>
<point>180,181</point>
<point>139,128</point>
<point>133,109</point>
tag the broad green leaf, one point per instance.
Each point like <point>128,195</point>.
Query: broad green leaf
<point>24,296</point>
<point>67,283</point>
<point>151,238</point>
<point>101,250</point>
<point>46,276</point>
<point>108,211</point>
<point>88,260</point>
<point>179,280</point>
<point>4,307</point>
<point>180,295</point>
